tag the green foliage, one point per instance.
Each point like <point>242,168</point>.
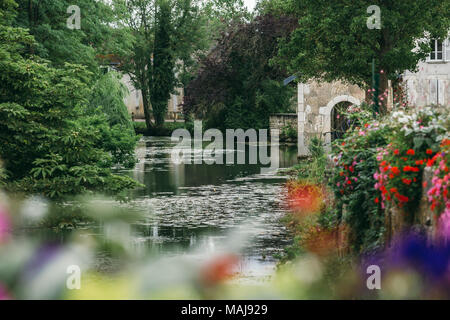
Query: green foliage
<point>353,184</point>
<point>416,137</point>
<point>108,113</point>
<point>164,131</point>
<point>163,63</point>
<point>333,42</point>
<point>46,21</point>
<point>288,133</point>
<point>108,94</point>
<point>167,35</point>
<point>236,87</point>
<point>48,143</point>
<point>313,169</point>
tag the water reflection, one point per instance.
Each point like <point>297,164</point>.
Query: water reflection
<point>197,206</point>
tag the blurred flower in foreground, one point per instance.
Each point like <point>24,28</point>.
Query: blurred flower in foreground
<point>5,225</point>
<point>3,293</point>
<point>414,268</point>
<point>304,198</point>
<point>219,269</point>
<point>444,223</point>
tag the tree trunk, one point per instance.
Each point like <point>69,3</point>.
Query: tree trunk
<point>147,114</point>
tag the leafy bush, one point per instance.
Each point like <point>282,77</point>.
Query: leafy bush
<point>108,112</point>
<point>313,169</point>
<point>163,131</point>
<point>49,141</point>
<point>352,180</point>
<point>380,161</point>
<point>416,137</point>
<point>237,86</point>
<point>288,133</point>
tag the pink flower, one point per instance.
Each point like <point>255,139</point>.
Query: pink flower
<point>444,223</point>
<point>3,293</point>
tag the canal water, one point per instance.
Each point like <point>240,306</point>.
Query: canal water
<point>207,208</point>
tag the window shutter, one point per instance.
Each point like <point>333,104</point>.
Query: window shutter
<point>447,50</point>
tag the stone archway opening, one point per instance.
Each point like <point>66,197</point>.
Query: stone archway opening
<point>334,124</point>
<point>339,122</point>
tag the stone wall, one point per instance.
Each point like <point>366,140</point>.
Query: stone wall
<point>135,105</point>
<point>281,120</point>
<point>315,103</point>
<point>398,220</point>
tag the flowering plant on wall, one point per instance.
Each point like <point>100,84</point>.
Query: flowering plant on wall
<point>414,144</point>
<point>354,162</point>
<point>438,194</point>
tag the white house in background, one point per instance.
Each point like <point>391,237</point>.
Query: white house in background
<point>135,103</point>
<point>431,83</point>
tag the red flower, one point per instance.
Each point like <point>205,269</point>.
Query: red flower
<point>395,170</point>
<point>396,152</point>
<point>394,190</point>
<point>407,181</point>
<point>377,200</point>
<point>419,162</point>
<point>343,143</point>
<point>401,198</point>
<point>383,163</point>
<point>349,182</point>
<point>410,152</point>
<point>429,151</point>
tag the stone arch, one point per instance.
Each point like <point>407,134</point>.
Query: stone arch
<point>325,112</point>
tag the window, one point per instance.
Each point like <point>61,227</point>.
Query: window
<point>436,50</point>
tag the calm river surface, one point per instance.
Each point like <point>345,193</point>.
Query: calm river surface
<point>200,207</point>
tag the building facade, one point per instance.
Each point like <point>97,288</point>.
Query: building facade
<point>135,104</point>
<point>318,103</point>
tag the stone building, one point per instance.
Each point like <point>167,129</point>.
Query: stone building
<point>319,103</point>
<point>135,104</point>
<point>431,83</point>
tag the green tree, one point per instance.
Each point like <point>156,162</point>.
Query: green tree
<point>46,20</point>
<point>47,143</point>
<point>108,112</point>
<point>163,63</point>
<point>167,35</point>
<point>333,42</point>
<point>236,87</point>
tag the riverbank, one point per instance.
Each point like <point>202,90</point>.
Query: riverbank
<point>164,131</point>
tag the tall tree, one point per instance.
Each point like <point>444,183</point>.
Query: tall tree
<point>49,143</point>
<point>236,87</point>
<point>333,40</point>
<point>165,34</point>
<point>46,20</point>
<point>163,62</point>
